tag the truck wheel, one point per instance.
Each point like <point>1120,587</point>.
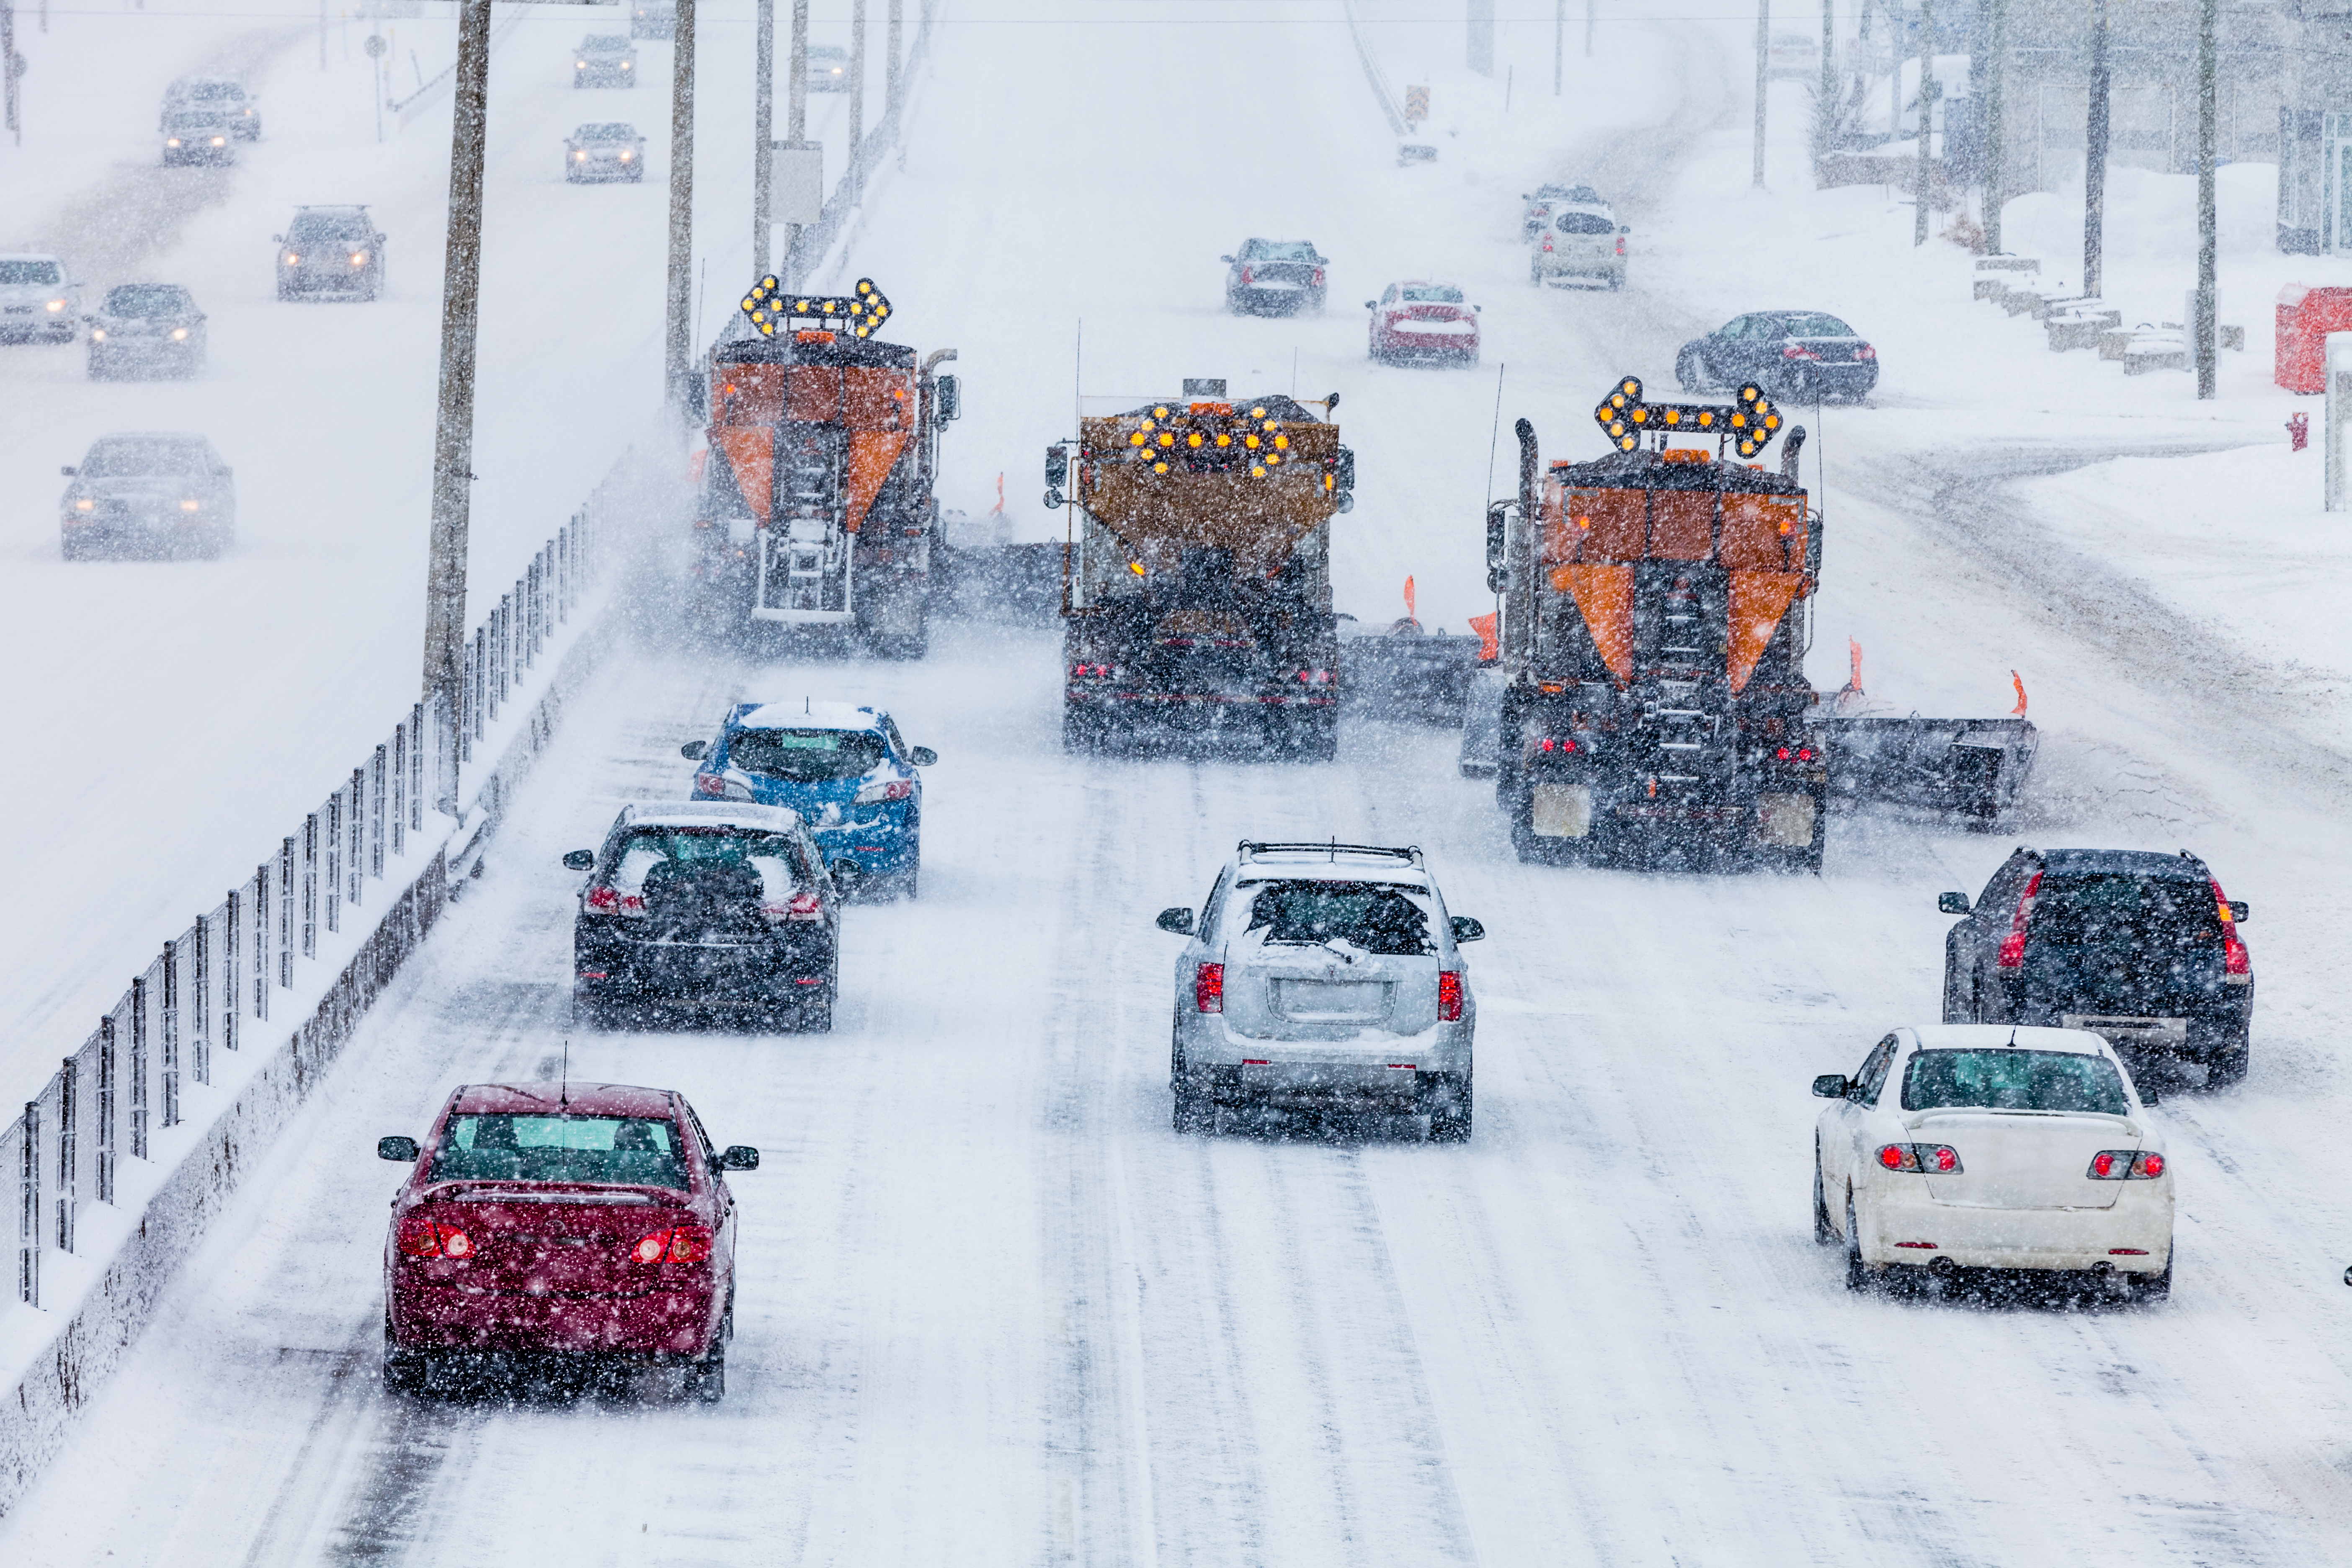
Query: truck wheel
<point>1082,733</point>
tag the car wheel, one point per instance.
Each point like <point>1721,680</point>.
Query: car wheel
<point>1534,272</point>
<point>405,1372</point>
<point>908,883</point>
<point>706,1380</point>
<point>815,1015</point>
<point>1959,1008</point>
<point>1793,386</point>
<point>73,548</point>
<point>1824,1232</point>
<point>2226,1062</point>
<point>1450,1108</point>
<point>1858,1274</point>
<point>1616,281</point>
<point>2155,1287</point>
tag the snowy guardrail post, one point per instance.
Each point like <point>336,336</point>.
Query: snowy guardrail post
<point>2338,352</point>
<point>29,1206</point>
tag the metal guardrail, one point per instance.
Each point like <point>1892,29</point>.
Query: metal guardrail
<point>444,81</point>
<point>810,245</point>
<point>217,978</point>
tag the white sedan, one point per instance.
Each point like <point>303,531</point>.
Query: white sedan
<point>1982,1146</point>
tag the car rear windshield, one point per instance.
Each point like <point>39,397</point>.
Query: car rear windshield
<point>804,756</point>
<point>616,132</point>
<point>25,274</point>
<point>1380,918</point>
<point>2006,1079</point>
<point>193,120</point>
<point>1432,294</point>
<point>675,861</point>
<point>211,92</point>
<point>2125,913</point>
<point>624,1151</point>
<point>315,227</point>
<point>1809,326</point>
<point>146,300</point>
<point>1281,250</point>
<point>1584,222</point>
<point>604,43</point>
<point>124,456</point>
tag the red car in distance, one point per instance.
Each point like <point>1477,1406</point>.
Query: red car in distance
<point>581,1221</point>
<point>1423,321</point>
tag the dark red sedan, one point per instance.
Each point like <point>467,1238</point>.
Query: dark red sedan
<point>1423,321</point>
<point>581,1220</point>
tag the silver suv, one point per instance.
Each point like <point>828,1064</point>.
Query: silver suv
<point>1323,977</point>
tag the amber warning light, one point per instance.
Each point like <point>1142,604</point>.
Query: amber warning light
<point>860,312</point>
<point>1749,424</point>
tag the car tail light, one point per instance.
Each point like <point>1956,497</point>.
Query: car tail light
<point>687,1243</point>
<point>1317,677</point>
<point>611,900</point>
<point>887,789</point>
<point>1449,996</point>
<point>802,906</point>
<point>1794,754</point>
<point>1093,671</point>
<point>2236,962</point>
<point>2012,946</point>
<point>1865,352</point>
<point>709,784</point>
<point>1557,744</point>
<point>651,1248</point>
<point>1319,278</point>
<point>420,1236</point>
<point>1209,988</point>
<point>1246,277</point>
<point>1936,1159</point>
<point>1546,244</point>
<point>1797,351</point>
<point>2126,1166</point>
<point>1620,245</point>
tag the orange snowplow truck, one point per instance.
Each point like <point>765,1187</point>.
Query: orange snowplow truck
<point>1654,700</point>
<point>816,505</point>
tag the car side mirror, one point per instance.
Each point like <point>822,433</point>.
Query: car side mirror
<point>739,1157</point>
<point>67,470</point>
<point>694,751</point>
<point>401,1149</point>
<point>1228,259</point>
<point>1625,229</point>
<point>278,237</point>
<point>580,859</point>
<point>1179,920</point>
<point>1371,304</point>
<point>949,398</point>
<point>1467,929</point>
<point>922,756</point>
<point>1952,903</point>
<point>1831,1086</point>
<point>2239,911</point>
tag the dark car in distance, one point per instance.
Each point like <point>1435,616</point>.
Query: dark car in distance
<point>2139,947</point>
<point>330,253</point>
<point>705,906</point>
<point>198,135</point>
<point>1275,277</point>
<point>147,495</point>
<point>146,329</point>
<point>218,95</point>
<point>589,1222</point>
<point>1797,357</point>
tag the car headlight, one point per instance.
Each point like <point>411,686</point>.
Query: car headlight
<point>292,258</point>
<point>359,258</point>
<point>626,157</point>
<point>583,64</point>
<point>580,157</point>
<point>85,504</point>
<point>191,505</point>
<point>624,65</point>
<point>56,305</point>
<point>97,335</point>
<point>220,140</point>
<point>170,142</point>
<point>178,334</point>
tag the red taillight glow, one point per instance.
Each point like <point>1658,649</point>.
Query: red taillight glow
<point>651,1248</point>
<point>1922,1245</point>
<point>2126,1166</point>
<point>1620,245</point>
<point>1941,1158</point>
<point>1797,351</point>
<point>1094,671</point>
<point>612,902</point>
<point>804,905</point>
<point>1546,242</point>
<point>1246,277</point>
<point>1800,754</point>
<point>1865,352</point>
<point>2235,958</point>
<point>1317,677</point>
<point>1557,744</point>
<point>2012,946</point>
<point>1449,996</point>
<point>420,1236</point>
<point>709,784</point>
<point>455,1242</point>
<point>687,1243</point>
<point>1319,278</point>
<point>1209,988</point>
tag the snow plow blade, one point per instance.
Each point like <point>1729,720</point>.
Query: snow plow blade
<point>1411,675</point>
<point>1968,767</point>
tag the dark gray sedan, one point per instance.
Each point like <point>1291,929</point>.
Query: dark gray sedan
<point>149,495</point>
<point>1275,277</point>
<point>330,253</point>
<point>1797,357</point>
<point>146,331</point>
<point>611,150</point>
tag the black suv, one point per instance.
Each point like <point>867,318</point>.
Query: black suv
<point>2140,948</point>
<point>706,905</point>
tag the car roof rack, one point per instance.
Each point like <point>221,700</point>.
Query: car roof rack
<point>1251,848</point>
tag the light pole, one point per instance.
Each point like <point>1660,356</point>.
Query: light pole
<point>1559,44</point>
<point>1996,135</point>
<point>1825,117</point>
<point>796,124</point>
<point>764,150</point>
<point>453,430</point>
<point>2095,156</point>
<point>1927,118</point>
<point>1763,56</point>
<point>2207,46</point>
<point>890,79</point>
<point>856,99</point>
<point>678,337</point>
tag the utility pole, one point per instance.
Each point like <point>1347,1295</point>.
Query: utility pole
<point>322,34</point>
<point>2207,46</point>
<point>1825,114</point>
<point>8,67</point>
<point>2094,156</point>
<point>679,334</point>
<point>1927,118</point>
<point>1559,44</point>
<point>1763,58</point>
<point>763,126</point>
<point>1589,6</point>
<point>857,102</point>
<point>796,124</point>
<point>453,431</point>
<point>890,80</point>
<point>1996,135</point>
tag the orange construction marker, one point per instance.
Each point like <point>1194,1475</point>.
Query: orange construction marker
<point>2017,680</point>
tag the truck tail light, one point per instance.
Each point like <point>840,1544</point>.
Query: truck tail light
<point>1937,1159</point>
<point>1546,244</point>
<point>1795,754</point>
<point>1209,988</point>
<point>1317,677</point>
<point>1562,744</point>
<point>1620,245</point>
<point>2126,1166</point>
<point>1449,996</point>
<point>2012,946</point>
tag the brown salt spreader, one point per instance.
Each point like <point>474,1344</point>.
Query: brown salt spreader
<point>816,505</point>
<point>1650,702</point>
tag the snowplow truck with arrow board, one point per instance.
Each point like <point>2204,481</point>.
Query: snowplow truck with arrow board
<point>816,505</point>
<point>1654,704</point>
<point>1197,574</point>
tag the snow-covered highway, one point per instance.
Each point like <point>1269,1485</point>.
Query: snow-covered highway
<point>994,1309</point>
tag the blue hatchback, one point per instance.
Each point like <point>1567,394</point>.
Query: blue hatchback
<point>848,772</point>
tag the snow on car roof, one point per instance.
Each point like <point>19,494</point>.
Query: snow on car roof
<point>710,814</point>
<point>555,1099</point>
<point>807,715</point>
<point>1979,1037</point>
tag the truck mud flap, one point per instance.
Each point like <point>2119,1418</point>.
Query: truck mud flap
<point>1422,677</point>
<point>1969,767</point>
